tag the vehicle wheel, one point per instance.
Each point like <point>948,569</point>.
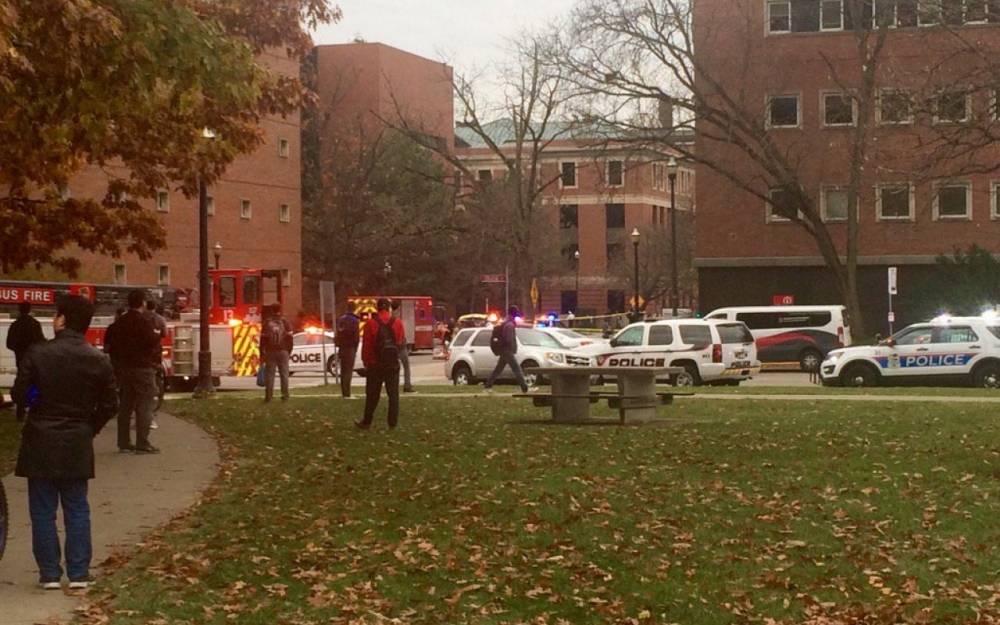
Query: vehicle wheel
<point>810,360</point>
<point>4,520</point>
<point>859,375</point>
<point>690,376</point>
<point>333,366</point>
<point>987,375</point>
<point>531,379</point>
<point>461,375</point>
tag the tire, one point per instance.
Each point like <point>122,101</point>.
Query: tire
<point>690,377</point>
<point>987,375</point>
<point>461,375</point>
<point>333,366</point>
<point>4,520</point>
<point>530,378</point>
<point>810,360</point>
<point>859,375</point>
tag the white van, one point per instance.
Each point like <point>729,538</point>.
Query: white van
<point>792,333</point>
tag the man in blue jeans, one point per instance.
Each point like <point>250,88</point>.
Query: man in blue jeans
<point>69,388</point>
<point>508,353</point>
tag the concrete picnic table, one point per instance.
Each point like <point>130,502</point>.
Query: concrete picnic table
<point>570,398</point>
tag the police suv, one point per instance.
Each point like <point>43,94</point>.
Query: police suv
<point>947,350</point>
<point>309,352</point>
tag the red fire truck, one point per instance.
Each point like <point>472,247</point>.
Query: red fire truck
<point>416,312</point>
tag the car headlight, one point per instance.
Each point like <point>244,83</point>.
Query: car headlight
<point>832,358</point>
<point>554,357</point>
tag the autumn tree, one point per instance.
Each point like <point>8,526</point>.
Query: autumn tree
<point>128,86</point>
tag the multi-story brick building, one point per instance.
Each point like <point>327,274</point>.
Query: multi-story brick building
<point>595,196</point>
<point>255,215</point>
<point>795,66</point>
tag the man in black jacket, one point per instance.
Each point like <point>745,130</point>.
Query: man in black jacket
<point>508,353</point>
<point>23,333</point>
<point>70,389</point>
<point>132,345</point>
<point>275,347</point>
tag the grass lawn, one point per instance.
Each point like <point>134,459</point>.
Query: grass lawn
<point>726,513</point>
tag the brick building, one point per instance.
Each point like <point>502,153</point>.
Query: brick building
<point>599,195</point>
<point>255,215</point>
<point>796,63</point>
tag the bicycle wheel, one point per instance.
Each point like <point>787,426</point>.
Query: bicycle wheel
<point>4,520</point>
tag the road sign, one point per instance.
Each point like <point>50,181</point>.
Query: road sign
<point>892,317</point>
<point>492,278</point>
<point>892,281</point>
<point>642,302</point>
<point>783,300</point>
<point>534,293</point>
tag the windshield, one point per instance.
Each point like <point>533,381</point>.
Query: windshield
<point>734,333</point>
<point>571,334</point>
<point>534,338</point>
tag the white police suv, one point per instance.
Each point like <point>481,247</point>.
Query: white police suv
<point>945,351</point>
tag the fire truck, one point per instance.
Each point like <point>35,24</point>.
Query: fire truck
<point>416,313</point>
<point>238,296</point>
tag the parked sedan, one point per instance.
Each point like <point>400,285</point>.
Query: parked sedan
<point>471,360</point>
<point>571,338</point>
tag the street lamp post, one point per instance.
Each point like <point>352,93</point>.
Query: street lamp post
<point>672,175</point>
<point>205,388</point>
<point>635,249</point>
<point>576,261</point>
<point>218,254</point>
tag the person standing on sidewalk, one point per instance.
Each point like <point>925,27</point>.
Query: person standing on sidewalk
<point>71,389</point>
<point>404,352</point>
<point>160,327</point>
<point>383,335</point>
<point>347,340</point>
<point>131,349</point>
<point>22,334</point>
<point>507,351</point>
<point>275,346</point>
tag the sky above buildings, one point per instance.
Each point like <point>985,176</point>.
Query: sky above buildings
<point>466,34</point>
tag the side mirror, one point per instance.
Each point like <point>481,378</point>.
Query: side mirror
<point>889,342</point>
<point>614,342</point>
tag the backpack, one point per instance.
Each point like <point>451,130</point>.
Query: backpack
<point>274,333</point>
<point>496,339</point>
<point>385,345</point>
<point>347,332</point>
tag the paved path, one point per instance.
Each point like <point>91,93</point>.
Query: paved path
<point>131,495</point>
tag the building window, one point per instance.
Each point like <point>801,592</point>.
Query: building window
<point>283,148</point>
<point>616,253</point>
<point>614,216</point>
<point>831,15</point>
<point>833,207</point>
<point>210,205</point>
<point>894,202</point>
<point>952,107</point>
<point>838,109</point>
<point>658,176</point>
<point>995,200</point>
<point>568,302</point>
<point>246,210</point>
<point>781,206</point>
<point>976,11</point>
<point>884,14</point>
<point>284,214</point>
<point>163,201</point>
<point>484,175</point>
<point>895,107</point>
<point>930,12</point>
<point>783,111</point>
<point>163,275</point>
<point>615,173</point>
<point>119,276</point>
<point>569,216</point>
<point>286,278</point>
<point>616,301</point>
<point>953,201</point>
<point>567,175</point>
<point>779,16</point>
<point>906,13</point>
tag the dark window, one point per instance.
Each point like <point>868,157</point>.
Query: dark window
<point>894,202</point>
<point>227,291</point>
<point>568,174</point>
<point>661,335</point>
<point>698,337</point>
<point>734,333</point>
<point>483,338</point>
<point>805,16</point>
<point>783,111</point>
<point>782,205</point>
<point>615,252</point>
<point>993,7</point>
<point>462,338</point>
<point>906,13</point>
<point>953,201</point>
<point>568,302</point>
<point>832,14</point>
<point>885,13</point>
<point>838,109</point>
<point>952,106</point>
<point>956,334</point>
<point>952,12</point>
<point>569,216</point>
<point>614,215</point>
<point>616,173</point>
<point>616,301</point>
<point>779,16</point>
<point>930,12</point>
<point>976,10</point>
<point>895,106</point>
<point>851,18</point>
<point>485,175</point>
<point>251,290</point>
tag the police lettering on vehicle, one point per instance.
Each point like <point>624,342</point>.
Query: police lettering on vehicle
<point>306,358</point>
<point>630,361</point>
<point>925,360</point>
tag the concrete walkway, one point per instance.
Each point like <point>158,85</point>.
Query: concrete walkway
<point>131,495</point>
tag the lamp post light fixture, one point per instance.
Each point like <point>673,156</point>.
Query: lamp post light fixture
<point>205,388</point>
<point>672,175</point>
<point>635,249</point>
<point>387,270</point>
<point>218,254</point>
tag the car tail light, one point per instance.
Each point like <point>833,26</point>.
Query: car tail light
<point>717,353</point>
<point>840,336</point>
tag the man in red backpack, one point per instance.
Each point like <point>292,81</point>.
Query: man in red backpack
<point>383,334</point>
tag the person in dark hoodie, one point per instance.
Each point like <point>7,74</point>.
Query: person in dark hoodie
<point>69,387</point>
<point>132,343</point>
<point>22,334</point>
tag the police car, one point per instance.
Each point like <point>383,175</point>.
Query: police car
<point>947,350</point>
<point>308,352</point>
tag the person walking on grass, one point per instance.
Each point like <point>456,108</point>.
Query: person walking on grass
<point>70,389</point>
<point>275,347</point>
<point>347,340</point>
<point>132,342</point>
<point>22,334</point>
<point>504,344</point>
<point>383,334</point>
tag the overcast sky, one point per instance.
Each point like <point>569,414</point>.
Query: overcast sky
<point>466,34</point>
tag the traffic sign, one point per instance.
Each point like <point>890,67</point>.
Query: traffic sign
<point>892,317</point>
<point>642,302</point>
<point>534,293</point>
<point>892,281</point>
<point>492,278</point>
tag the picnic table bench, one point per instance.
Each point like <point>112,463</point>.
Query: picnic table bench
<point>636,398</point>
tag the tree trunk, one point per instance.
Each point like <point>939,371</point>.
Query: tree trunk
<point>846,280</point>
